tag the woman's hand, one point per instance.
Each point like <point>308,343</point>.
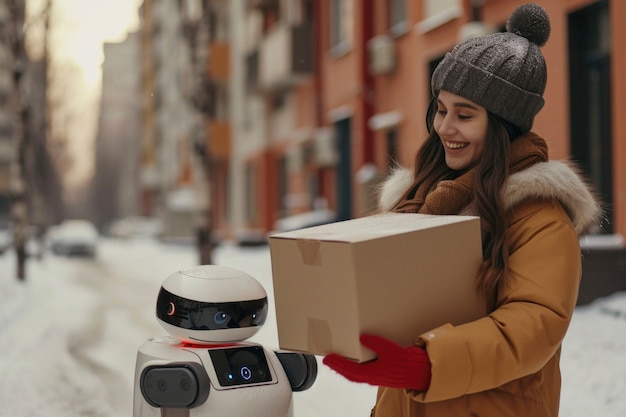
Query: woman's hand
<point>395,366</point>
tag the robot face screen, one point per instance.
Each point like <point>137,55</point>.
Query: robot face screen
<point>199,315</point>
<point>240,366</point>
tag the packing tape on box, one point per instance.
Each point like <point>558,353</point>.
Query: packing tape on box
<point>310,251</point>
<point>319,338</point>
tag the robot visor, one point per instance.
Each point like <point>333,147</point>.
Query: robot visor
<point>200,315</point>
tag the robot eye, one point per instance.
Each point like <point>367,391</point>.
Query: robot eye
<point>171,309</point>
<point>221,318</point>
<point>256,317</point>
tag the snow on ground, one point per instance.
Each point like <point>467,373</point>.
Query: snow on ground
<point>594,360</point>
<point>70,333</point>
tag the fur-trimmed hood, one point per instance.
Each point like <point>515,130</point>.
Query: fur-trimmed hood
<point>545,180</point>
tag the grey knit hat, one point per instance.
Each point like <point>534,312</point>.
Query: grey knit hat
<point>503,72</point>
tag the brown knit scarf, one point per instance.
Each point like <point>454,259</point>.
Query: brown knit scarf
<point>452,196</point>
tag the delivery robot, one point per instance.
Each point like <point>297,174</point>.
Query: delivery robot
<point>205,368</point>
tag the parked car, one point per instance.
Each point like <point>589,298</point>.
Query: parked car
<point>74,238</point>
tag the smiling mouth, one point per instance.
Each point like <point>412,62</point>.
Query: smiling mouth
<point>456,145</point>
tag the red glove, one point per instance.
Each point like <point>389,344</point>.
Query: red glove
<point>395,366</point>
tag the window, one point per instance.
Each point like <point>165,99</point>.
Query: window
<point>341,15</point>
<point>391,138</point>
<point>438,12</point>
<point>271,16</point>
<point>308,13</point>
<point>397,17</point>
<point>435,7</point>
<point>590,104</point>
<point>278,101</point>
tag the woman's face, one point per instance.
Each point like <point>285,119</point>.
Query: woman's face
<point>462,126</point>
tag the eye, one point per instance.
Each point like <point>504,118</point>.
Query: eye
<point>221,318</point>
<point>171,309</point>
<point>255,317</point>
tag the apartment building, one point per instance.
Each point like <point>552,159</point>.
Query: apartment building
<point>310,102</point>
<point>167,125</point>
<point>335,92</point>
<point>115,181</point>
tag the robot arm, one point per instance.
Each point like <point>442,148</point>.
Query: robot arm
<point>175,385</point>
<point>300,368</point>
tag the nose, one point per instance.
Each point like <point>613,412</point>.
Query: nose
<point>446,127</point>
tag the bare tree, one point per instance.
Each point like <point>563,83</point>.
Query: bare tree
<point>32,177</point>
<point>196,21</point>
<point>12,36</point>
<point>42,182</point>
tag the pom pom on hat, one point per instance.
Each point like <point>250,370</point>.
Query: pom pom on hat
<point>503,72</point>
<point>530,21</point>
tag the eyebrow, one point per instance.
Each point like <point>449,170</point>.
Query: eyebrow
<point>461,104</point>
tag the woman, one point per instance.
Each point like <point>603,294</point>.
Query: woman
<point>481,158</point>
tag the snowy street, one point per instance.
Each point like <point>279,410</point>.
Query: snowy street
<point>70,333</point>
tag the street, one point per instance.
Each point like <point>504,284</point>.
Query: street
<point>70,333</point>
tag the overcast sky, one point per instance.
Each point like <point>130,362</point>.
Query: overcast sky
<point>79,29</point>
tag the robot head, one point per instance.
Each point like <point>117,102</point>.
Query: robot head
<point>211,304</point>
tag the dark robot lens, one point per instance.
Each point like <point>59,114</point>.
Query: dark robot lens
<point>245,373</point>
<point>221,318</point>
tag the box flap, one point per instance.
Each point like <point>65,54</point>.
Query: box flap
<point>371,227</point>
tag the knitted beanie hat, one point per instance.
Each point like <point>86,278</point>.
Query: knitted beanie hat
<point>503,72</point>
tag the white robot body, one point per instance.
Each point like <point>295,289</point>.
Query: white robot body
<point>269,396</point>
<point>204,369</point>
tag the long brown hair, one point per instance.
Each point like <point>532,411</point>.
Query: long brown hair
<point>491,173</point>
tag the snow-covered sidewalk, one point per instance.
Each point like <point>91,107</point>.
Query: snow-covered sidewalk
<point>69,336</point>
<point>593,362</point>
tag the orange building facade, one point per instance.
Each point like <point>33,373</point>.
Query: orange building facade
<point>361,107</point>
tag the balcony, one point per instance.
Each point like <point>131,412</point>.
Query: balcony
<point>218,65</point>
<point>284,58</point>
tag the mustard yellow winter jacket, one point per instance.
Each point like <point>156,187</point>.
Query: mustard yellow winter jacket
<point>507,364</point>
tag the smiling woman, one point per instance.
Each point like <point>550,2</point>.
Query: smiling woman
<point>481,158</point>
<point>462,127</point>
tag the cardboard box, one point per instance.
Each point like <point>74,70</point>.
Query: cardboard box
<point>394,275</point>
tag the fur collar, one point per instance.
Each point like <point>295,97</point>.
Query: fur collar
<point>552,179</point>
